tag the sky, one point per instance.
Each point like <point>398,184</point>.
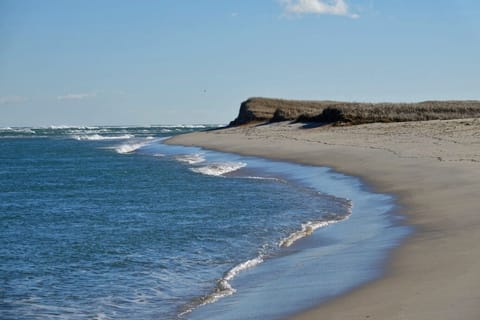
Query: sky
<point>113,62</point>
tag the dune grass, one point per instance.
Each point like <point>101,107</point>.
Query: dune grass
<point>358,113</point>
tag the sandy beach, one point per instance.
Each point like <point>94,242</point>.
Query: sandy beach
<point>433,168</point>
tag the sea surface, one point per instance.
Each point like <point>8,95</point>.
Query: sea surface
<point>111,223</point>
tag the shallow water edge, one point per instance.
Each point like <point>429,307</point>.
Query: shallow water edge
<point>330,262</point>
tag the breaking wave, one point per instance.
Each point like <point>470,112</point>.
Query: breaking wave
<point>191,158</point>
<point>223,287</point>
<point>219,169</point>
<point>130,146</point>
<point>63,127</point>
<point>308,228</point>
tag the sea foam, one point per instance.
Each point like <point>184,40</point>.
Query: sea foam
<point>219,168</point>
<point>130,147</point>
<point>194,158</point>
<point>17,130</point>
<point>223,287</point>
<point>308,228</point>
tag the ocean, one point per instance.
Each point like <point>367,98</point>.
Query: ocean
<point>111,223</point>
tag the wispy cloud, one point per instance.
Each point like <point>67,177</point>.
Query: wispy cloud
<point>12,99</point>
<point>76,96</point>
<point>330,7</point>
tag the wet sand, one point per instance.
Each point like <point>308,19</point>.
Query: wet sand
<point>434,170</point>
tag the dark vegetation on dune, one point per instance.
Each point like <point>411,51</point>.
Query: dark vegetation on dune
<point>275,110</point>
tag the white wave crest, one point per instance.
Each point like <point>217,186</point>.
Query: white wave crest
<point>130,147</point>
<point>308,228</point>
<point>194,158</point>
<point>224,288</point>
<point>219,169</point>
<point>18,130</point>
<point>97,137</point>
<point>242,267</point>
<point>63,127</point>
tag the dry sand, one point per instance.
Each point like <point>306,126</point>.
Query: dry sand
<point>434,169</point>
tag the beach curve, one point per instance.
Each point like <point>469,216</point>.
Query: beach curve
<point>434,169</point>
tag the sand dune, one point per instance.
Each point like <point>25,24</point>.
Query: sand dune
<point>256,110</point>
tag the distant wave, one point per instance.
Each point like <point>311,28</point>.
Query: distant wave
<point>219,169</point>
<point>97,137</point>
<point>17,130</point>
<point>191,158</point>
<point>63,127</point>
<point>86,133</point>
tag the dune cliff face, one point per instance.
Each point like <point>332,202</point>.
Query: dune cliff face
<point>253,110</point>
<point>274,110</point>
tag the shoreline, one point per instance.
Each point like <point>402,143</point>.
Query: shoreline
<point>434,170</point>
<point>352,252</point>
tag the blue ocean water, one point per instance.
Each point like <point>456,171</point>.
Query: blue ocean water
<point>110,223</point>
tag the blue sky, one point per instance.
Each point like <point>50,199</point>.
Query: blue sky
<point>193,61</point>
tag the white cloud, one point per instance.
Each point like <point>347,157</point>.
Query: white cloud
<point>12,99</point>
<point>76,96</point>
<point>331,7</point>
